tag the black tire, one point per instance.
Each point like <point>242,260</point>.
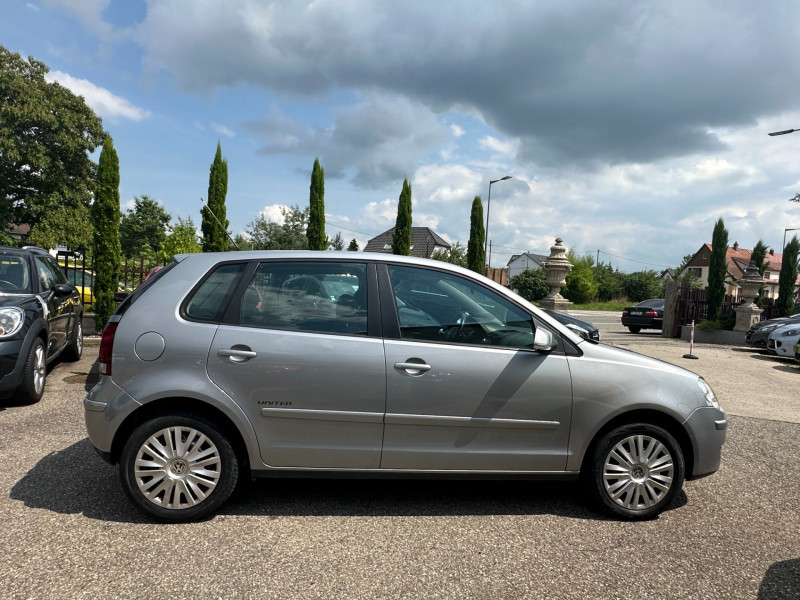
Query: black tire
<point>635,471</point>
<point>34,376</point>
<point>191,489</point>
<point>74,350</point>
<point>634,329</point>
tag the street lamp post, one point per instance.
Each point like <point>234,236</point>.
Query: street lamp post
<point>783,248</point>
<point>774,133</point>
<point>488,208</point>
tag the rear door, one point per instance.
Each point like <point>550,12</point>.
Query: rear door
<point>297,354</point>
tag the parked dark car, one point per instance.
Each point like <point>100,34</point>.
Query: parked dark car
<point>40,319</point>
<point>758,334</point>
<point>648,314</point>
<point>226,366</point>
<point>582,328</point>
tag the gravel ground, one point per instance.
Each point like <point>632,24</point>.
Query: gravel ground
<point>69,532</point>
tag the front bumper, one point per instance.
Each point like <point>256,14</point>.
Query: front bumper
<point>707,429</point>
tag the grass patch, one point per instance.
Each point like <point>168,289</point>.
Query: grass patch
<point>608,306</point>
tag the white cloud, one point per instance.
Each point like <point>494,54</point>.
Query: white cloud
<point>222,130</point>
<point>505,148</point>
<point>457,131</point>
<point>106,104</point>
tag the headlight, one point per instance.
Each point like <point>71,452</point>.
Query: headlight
<point>11,320</point>
<point>791,332</point>
<point>711,398</point>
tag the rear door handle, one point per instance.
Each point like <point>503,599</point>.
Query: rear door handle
<point>237,354</point>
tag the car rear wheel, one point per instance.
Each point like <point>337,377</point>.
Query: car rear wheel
<point>635,471</point>
<point>74,350</point>
<point>634,329</point>
<point>178,468</point>
<point>34,376</point>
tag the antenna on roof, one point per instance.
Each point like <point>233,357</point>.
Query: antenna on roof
<point>218,223</point>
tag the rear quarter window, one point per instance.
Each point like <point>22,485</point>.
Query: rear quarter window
<point>209,300</point>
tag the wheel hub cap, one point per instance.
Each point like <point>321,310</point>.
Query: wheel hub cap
<point>177,467</point>
<point>638,472</point>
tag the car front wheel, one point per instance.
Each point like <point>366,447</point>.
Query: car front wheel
<point>178,468</point>
<point>635,471</point>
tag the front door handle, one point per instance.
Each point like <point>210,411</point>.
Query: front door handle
<point>412,368</point>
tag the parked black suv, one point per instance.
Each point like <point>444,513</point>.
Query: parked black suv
<point>40,319</point>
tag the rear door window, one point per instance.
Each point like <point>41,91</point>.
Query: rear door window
<point>319,297</point>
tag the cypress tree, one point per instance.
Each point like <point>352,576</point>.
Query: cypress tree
<point>105,218</point>
<point>787,278</point>
<point>215,230</point>
<point>717,270</point>
<point>401,240</point>
<point>477,237</point>
<point>353,247</point>
<point>757,256</point>
<point>317,240</point>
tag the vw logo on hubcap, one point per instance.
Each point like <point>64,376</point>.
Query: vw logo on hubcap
<point>637,472</point>
<point>179,467</point>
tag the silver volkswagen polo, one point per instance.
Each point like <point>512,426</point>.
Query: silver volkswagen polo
<point>253,364</point>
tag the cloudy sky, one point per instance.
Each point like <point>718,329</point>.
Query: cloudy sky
<point>627,127</point>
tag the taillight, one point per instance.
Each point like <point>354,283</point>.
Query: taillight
<point>625,313</point>
<point>651,313</point>
<point>106,348</point>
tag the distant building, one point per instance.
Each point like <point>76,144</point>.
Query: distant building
<point>738,259</point>
<point>424,241</point>
<point>522,262</point>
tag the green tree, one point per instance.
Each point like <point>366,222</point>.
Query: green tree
<point>456,255</point>
<point>46,136</point>
<point>143,226</point>
<point>337,243</point>
<point>477,238</point>
<point>717,270</point>
<point>580,284</point>
<point>106,246</point>
<point>182,239</point>
<point>353,247</point>
<point>291,235</point>
<point>609,283</point>
<point>317,240</point>
<point>758,256</point>
<point>401,240</point>
<point>642,285</point>
<point>67,226</point>
<point>215,222</point>
<point>531,284</point>
<point>788,278</point>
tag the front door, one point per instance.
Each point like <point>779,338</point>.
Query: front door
<point>465,390</point>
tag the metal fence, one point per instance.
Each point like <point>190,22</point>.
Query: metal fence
<point>80,271</point>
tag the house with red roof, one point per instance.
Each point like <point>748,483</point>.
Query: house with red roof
<point>738,259</point>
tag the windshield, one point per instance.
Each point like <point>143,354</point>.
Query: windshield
<point>14,274</point>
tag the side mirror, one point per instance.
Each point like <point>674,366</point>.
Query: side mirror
<point>544,340</point>
<point>62,289</point>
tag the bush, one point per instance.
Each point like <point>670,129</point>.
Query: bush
<point>531,284</point>
<point>643,285</point>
